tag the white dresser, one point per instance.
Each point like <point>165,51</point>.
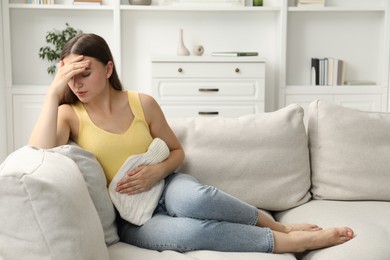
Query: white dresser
<point>209,86</point>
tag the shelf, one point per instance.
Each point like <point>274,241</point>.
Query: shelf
<point>337,9</point>
<point>200,9</point>
<point>371,89</point>
<point>207,58</point>
<point>61,7</point>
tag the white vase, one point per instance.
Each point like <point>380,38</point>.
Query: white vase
<point>181,49</point>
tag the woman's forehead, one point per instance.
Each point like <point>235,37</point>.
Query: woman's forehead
<point>72,56</point>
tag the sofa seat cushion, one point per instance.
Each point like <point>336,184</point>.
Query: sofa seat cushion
<point>368,219</point>
<point>207,255</point>
<point>350,153</point>
<point>122,251</point>
<point>46,211</point>
<point>262,159</point>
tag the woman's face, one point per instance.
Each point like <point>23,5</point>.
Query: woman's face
<point>92,81</point>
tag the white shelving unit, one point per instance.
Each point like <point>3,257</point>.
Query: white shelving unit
<point>286,37</point>
<point>3,114</point>
<point>356,32</point>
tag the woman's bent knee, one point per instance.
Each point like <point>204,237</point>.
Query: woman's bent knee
<point>185,195</point>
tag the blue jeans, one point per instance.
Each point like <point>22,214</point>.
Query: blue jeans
<point>191,216</point>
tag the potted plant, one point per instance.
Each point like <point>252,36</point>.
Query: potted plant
<point>56,41</point>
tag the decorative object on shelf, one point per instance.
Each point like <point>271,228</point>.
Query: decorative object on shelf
<point>56,40</point>
<point>310,3</point>
<point>87,2</point>
<point>234,53</point>
<point>182,49</point>
<point>140,2</point>
<point>202,2</point>
<point>198,50</point>
<point>257,2</point>
<point>359,82</point>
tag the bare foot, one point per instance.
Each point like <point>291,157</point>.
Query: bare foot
<point>329,237</point>
<point>266,221</point>
<point>301,227</point>
<point>300,241</point>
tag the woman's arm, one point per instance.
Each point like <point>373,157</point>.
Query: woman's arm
<point>145,177</point>
<point>159,128</point>
<point>44,134</point>
<point>51,128</point>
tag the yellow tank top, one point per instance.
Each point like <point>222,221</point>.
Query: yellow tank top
<point>112,150</point>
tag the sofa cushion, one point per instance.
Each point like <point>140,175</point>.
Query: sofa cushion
<point>95,179</point>
<point>350,153</point>
<point>46,211</point>
<point>368,219</point>
<point>262,159</point>
<point>122,251</point>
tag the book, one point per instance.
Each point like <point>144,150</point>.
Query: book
<point>340,71</point>
<point>322,71</point>
<point>234,54</point>
<point>330,71</point>
<point>315,72</point>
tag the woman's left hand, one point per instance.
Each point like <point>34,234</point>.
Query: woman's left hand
<point>139,180</point>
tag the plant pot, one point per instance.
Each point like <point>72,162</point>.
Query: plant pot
<point>140,2</point>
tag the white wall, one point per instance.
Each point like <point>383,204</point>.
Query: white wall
<point>3,121</point>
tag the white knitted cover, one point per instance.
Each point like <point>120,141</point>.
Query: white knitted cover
<point>138,208</point>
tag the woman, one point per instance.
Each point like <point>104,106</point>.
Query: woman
<point>87,104</point>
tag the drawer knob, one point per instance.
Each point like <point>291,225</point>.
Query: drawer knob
<point>180,70</point>
<point>237,70</point>
<point>208,90</point>
<point>208,113</point>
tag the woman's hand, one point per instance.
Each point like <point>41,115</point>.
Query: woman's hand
<point>66,72</point>
<point>139,180</point>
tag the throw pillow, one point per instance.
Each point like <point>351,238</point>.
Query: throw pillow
<point>95,179</point>
<point>350,153</point>
<point>139,208</point>
<point>46,211</point>
<point>262,159</point>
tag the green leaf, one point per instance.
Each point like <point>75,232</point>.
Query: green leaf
<point>56,40</point>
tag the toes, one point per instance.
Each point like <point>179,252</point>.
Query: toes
<point>350,233</point>
<point>347,233</point>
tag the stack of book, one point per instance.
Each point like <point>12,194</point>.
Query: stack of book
<point>87,2</point>
<point>40,2</point>
<point>327,71</point>
<point>304,3</point>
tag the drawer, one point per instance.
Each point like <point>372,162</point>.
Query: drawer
<point>209,110</point>
<point>208,70</point>
<point>208,89</point>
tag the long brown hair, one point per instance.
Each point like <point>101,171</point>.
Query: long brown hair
<point>94,46</point>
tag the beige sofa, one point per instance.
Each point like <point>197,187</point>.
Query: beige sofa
<point>54,203</point>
